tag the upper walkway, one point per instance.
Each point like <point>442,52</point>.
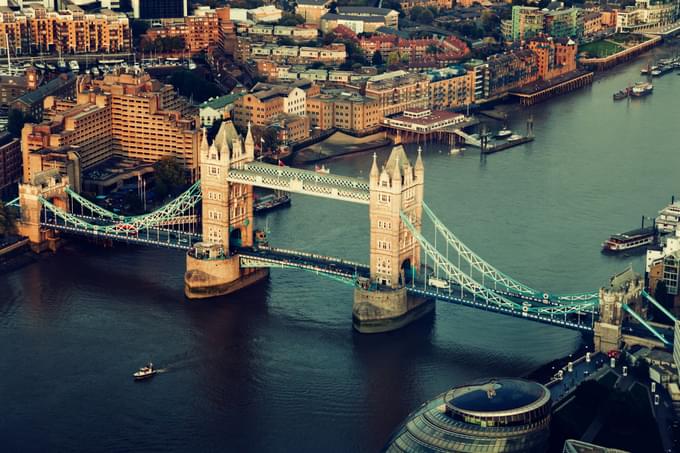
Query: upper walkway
<point>301,181</point>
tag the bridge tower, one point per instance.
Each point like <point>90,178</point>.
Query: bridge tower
<point>383,304</point>
<point>624,289</point>
<point>213,265</point>
<point>49,185</point>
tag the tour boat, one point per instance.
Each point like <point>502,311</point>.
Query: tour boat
<point>505,132</point>
<point>641,89</point>
<point>145,372</point>
<point>271,201</point>
<point>668,218</point>
<point>639,237</point>
<point>321,169</point>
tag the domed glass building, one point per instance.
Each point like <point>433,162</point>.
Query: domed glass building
<point>492,415</point>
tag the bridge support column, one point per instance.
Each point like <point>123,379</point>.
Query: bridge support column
<point>208,276</point>
<point>607,337</point>
<point>382,310</point>
<point>49,185</point>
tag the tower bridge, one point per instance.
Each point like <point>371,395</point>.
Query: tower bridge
<point>212,222</point>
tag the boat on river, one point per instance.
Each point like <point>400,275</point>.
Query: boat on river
<point>145,372</point>
<point>641,89</point>
<point>621,94</point>
<point>271,201</point>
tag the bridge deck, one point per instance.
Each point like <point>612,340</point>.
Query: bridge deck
<point>306,182</point>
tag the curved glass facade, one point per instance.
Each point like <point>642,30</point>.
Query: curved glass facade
<point>442,424</point>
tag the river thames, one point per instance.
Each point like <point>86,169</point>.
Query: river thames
<point>277,367</point>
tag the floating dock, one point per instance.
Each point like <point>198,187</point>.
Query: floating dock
<point>490,149</point>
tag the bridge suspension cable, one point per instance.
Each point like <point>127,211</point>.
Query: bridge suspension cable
<point>488,271</point>
<point>455,274</point>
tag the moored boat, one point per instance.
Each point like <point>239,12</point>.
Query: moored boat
<point>621,94</point>
<point>641,89</point>
<point>640,237</point>
<point>668,218</point>
<point>271,201</point>
<point>505,132</point>
<point>514,138</point>
<point>456,150</point>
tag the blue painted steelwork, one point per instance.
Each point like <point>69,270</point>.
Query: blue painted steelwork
<point>14,202</point>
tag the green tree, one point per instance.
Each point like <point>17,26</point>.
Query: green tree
<point>138,28</point>
<point>190,85</point>
<point>426,17</point>
<point>377,59</point>
<point>7,221</point>
<point>271,138</point>
<point>432,49</point>
<point>415,13</point>
<point>169,176</point>
<point>16,120</point>
<point>291,19</point>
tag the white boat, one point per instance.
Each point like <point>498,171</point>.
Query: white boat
<point>192,65</point>
<point>74,66</point>
<point>505,132</point>
<point>514,138</point>
<point>95,71</point>
<point>668,218</point>
<point>145,372</point>
<point>61,65</point>
<point>456,150</point>
<point>322,169</point>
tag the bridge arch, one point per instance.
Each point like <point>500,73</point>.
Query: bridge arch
<point>236,236</point>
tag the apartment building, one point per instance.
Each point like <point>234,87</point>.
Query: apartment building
<point>407,5</point>
<point>451,88</point>
<point>126,115</point>
<point>397,91</point>
<point>555,57</point>
<point>268,100</point>
<point>360,19</point>
<point>528,22</point>
<point>503,72</point>
<point>10,162</point>
<point>344,110</point>
<point>69,30</point>
<point>312,10</point>
<point>647,14</point>
<point>290,128</point>
<point>335,53</point>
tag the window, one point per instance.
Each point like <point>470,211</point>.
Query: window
<point>214,170</point>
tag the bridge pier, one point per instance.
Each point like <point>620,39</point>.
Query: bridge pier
<point>383,310</point>
<point>210,274</point>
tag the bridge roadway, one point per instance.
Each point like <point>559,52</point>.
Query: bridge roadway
<point>347,272</point>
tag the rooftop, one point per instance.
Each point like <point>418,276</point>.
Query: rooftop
<point>496,396</point>
<point>221,101</point>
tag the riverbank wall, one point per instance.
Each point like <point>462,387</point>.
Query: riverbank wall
<point>600,64</point>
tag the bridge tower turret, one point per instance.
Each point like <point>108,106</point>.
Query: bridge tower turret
<point>382,304</point>
<point>49,185</point>
<point>213,265</point>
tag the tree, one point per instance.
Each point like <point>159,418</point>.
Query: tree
<point>7,220</point>
<point>377,59</point>
<point>193,86</point>
<point>271,138</point>
<point>329,38</point>
<point>138,28</point>
<point>169,176</point>
<point>291,19</point>
<point>432,49</point>
<point>16,120</point>
<point>426,17</point>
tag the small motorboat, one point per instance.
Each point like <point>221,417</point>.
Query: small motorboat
<point>322,169</point>
<point>515,138</point>
<point>145,372</point>
<point>456,150</point>
<point>505,132</point>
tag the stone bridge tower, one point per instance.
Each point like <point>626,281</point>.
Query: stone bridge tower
<point>382,304</point>
<point>624,289</point>
<point>49,185</point>
<point>213,266</point>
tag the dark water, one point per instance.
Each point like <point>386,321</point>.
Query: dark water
<point>278,367</point>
